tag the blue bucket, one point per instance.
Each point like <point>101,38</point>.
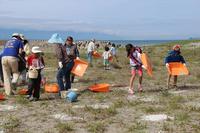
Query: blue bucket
<point>72,96</point>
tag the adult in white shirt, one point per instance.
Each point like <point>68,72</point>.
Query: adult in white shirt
<point>90,50</point>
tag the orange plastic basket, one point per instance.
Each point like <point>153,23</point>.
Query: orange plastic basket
<point>177,68</point>
<point>2,97</point>
<point>147,63</point>
<point>100,88</point>
<point>23,92</point>
<point>51,88</point>
<point>110,58</point>
<point>96,54</point>
<point>79,68</point>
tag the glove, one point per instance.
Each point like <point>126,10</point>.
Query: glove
<point>60,64</point>
<point>184,64</point>
<point>144,67</point>
<point>77,58</point>
<point>167,65</point>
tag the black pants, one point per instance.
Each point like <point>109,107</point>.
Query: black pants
<point>1,72</point>
<point>34,87</point>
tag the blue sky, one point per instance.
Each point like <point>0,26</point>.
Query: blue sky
<point>115,19</point>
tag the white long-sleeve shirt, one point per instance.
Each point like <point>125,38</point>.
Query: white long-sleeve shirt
<point>91,47</point>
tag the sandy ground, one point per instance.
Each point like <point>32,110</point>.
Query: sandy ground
<point>155,110</point>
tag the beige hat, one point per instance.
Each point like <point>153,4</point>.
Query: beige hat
<point>36,50</point>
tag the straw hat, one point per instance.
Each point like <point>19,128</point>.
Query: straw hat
<point>55,38</point>
<point>36,50</point>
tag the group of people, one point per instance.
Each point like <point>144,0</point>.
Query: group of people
<point>110,53</point>
<point>134,54</point>
<point>17,59</point>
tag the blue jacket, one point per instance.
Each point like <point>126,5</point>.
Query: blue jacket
<point>174,56</point>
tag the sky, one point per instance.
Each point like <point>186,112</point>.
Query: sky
<point>110,19</point>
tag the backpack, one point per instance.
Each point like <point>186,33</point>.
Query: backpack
<point>139,49</point>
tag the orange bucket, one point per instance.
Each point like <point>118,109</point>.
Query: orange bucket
<point>177,68</point>
<point>79,67</point>
<point>23,92</point>
<point>147,63</point>
<point>96,54</point>
<point>2,97</point>
<point>51,88</point>
<point>100,88</point>
<point>110,58</point>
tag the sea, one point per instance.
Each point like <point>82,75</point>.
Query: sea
<point>140,42</point>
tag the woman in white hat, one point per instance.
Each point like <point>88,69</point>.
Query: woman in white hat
<point>35,64</point>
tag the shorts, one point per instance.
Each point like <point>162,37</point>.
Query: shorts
<point>135,70</point>
<point>106,62</point>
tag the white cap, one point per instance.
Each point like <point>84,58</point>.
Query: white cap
<point>15,34</point>
<point>93,40</point>
<point>36,49</point>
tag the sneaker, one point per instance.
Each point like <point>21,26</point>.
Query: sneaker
<point>31,99</point>
<point>130,91</point>
<point>140,88</point>
<point>35,99</point>
<point>27,96</point>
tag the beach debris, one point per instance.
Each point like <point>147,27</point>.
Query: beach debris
<point>7,108</point>
<point>94,106</point>
<point>65,117</point>
<point>157,117</point>
<point>178,91</point>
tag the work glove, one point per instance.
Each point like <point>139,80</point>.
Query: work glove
<point>184,64</point>
<point>144,67</point>
<point>167,65</point>
<point>60,64</point>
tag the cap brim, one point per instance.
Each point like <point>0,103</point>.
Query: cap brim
<point>37,51</point>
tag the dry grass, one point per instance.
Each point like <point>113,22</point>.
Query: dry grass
<point>123,115</point>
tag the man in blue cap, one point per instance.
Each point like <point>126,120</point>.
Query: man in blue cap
<point>10,60</point>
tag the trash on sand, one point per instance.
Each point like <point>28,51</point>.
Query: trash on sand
<point>7,108</point>
<point>158,117</point>
<point>65,117</point>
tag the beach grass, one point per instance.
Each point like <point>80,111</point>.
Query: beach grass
<point>123,112</point>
